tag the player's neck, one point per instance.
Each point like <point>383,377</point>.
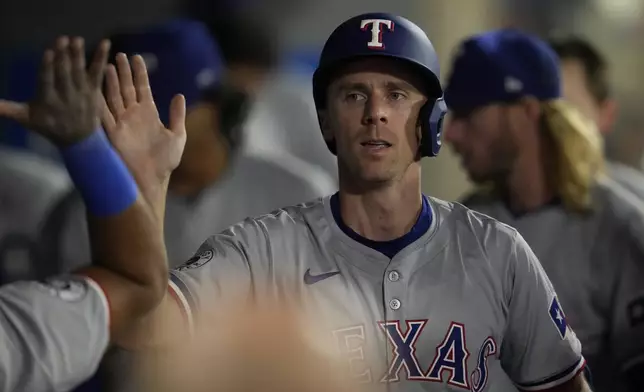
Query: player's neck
<point>384,213</point>
<point>528,186</point>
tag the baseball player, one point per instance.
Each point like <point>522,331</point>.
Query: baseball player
<point>54,333</point>
<point>538,163</point>
<point>584,77</point>
<point>418,294</point>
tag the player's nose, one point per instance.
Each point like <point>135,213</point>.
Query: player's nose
<point>375,112</point>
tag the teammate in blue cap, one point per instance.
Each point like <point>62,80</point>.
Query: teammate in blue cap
<point>539,163</point>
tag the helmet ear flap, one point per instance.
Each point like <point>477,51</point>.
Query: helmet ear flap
<point>432,116</point>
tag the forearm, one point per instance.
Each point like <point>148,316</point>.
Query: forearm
<point>156,330</point>
<point>129,263</point>
<point>125,231</point>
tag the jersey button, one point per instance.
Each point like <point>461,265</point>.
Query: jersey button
<point>394,276</point>
<point>394,304</point>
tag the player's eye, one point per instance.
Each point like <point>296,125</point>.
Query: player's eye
<point>397,95</point>
<point>355,96</point>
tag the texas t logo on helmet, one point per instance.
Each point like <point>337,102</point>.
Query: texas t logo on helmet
<point>376,31</point>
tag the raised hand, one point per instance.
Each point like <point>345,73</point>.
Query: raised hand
<point>131,121</point>
<point>66,107</point>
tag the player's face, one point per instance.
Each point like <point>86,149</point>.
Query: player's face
<point>485,140</point>
<point>577,92</point>
<point>372,115</point>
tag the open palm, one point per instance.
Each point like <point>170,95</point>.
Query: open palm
<point>131,121</point>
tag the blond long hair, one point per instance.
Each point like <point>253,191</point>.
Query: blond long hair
<point>578,152</point>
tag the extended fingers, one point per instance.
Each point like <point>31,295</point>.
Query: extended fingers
<point>107,118</point>
<point>178,114</point>
<point>113,92</point>
<point>128,91</point>
<point>79,76</point>
<point>141,79</point>
<point>98,65</point>
<point>63,68</point>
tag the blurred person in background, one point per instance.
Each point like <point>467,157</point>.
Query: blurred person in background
<point>538,162</point>
<point>282,118</point>
<point>215,169</point>
<point>585,83</point>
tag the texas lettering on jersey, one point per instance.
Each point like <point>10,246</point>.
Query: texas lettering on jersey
<point>435,315</point>
<point>449,363</point>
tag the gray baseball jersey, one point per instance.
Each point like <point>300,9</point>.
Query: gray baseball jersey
<point>254,185</point>
<point>466,306</point>
<point>29,187</point>
<point>596,263</point>
<point>53,334</point>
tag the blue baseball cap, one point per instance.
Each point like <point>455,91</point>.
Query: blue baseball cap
<point>182,57</point>
<point>502,66</point>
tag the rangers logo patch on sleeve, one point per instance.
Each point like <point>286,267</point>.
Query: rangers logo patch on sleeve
<point>67,288</point>
<point>197,260</point>
<point>558,317</point>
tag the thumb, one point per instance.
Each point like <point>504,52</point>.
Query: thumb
<point>178,114</point>
<point>14,110</point>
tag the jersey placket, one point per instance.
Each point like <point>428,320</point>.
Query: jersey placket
<point>394,327</point>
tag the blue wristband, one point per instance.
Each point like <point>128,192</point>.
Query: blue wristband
<point>101,177</point>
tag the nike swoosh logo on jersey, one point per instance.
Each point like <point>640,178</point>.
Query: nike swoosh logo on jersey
<point>312,279</point>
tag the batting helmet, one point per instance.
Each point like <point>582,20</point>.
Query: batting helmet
<point>386,35</point>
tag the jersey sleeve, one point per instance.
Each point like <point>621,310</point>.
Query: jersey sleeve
<point>539,349</point>
<point>226,267</point>
<point>53,334</point>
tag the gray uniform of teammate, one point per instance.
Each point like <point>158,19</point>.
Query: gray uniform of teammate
<point>30,187</point>
<point>595,262</point>
<point>466,306</point>
<point>53,335</point>
<point>630,178</point>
